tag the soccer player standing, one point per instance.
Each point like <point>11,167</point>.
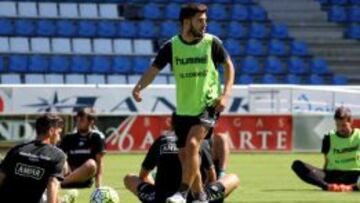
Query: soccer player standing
<point>28,169</point>
<point>194,57</point>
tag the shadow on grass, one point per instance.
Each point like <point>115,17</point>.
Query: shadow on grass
<point>292,190</point>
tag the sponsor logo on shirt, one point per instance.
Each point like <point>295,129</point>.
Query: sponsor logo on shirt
<point>29,171</point>
<point>191,60</point>
<point>80,151</point>
<point>168,148</point>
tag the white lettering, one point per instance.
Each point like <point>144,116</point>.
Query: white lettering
<point>237,122</point>
<point>264,135</point>
<point>148,140</point>
<point>259,123</point>
<point>281,140</point>
<point>245,140</point>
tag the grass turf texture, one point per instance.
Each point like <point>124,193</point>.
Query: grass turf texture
<point>264,178</point>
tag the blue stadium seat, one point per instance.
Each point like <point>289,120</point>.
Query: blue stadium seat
<point>293,79</point>
<point>354,14</point>
<point>316,80</point>
<point>297,66</point>
<point>258,31</point>
<point>299,48</point>
<point>127,29</point>
<point>106,29</point>
<point>339,2</point>
<point>254,48</point>
<point>87,28</point>
<point>168,29</point>
<point>215,28</point>
<point>250,65</point>
<point>319,66</point>
<point>152,11</point>
<point>236,30</point>
<point>353,31</point>
<point>279,31</point>
<point>339,80</point>
<point>274,66</point>
<point>121,64</point>
<point>59,64</point>
<point>45,28</point>
<point>141,64</point>
<point>277,48</point>
<point>233,47</point>
<point>269,79</point>
<point>239,12</point>
<point>38,64</point>
<point>322,2</point>
<point>217,12</point>
<point>18,64</point>
<point>147,29</point>
<point>6,27</point>
<point>243,1</point>
<point>244,79</point>
<point>66,28</point>
<point>2,64</point>
<point>172,11</point>
<point>355,2</point>
<point>257,13</point>
<point>24,27</point>
<point>337,14</point>
<point>100,64</point>
<point>80,64</point>
<point>222,1</point>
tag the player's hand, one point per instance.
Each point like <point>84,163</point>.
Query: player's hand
<point>221,103</point>
<point>136,94</point>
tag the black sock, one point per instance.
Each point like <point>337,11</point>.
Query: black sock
<point>184,189</point>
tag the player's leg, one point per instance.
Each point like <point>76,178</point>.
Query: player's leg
<point>81,174</point>
<point>131,182</point>
<point>310,174</point>
<point>220,153</point>
<point>222,188</point>
<point>144,191</point>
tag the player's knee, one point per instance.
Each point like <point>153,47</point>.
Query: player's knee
<point>91,165</point>
<point>127,180</point>
<point>297,165</point>
<point>192,144</point>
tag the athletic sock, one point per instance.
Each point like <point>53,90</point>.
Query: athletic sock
<point>184,189</point>
<point>200,196</point>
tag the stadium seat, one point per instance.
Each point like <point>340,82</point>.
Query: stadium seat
<point>257,13</point>
<point>80,64</point>
<point>27,9</point>
<point>133,79</point>
<point>254,48</point>
<point>5,45</point>
<point>54,79</point>
<point>48,9</point>
<point>292,79</point>
<point>269,79</point>
<point>34,79</point>
<point>239,12</point>
<point>121,64</point>
<point>250,65</point>
<point>108,11</point>
<point>10,79</point>
<point>87,28</point>
<point>355,2</point>
<point>273,66</point>
<point>258,31</point>
<point>244,79</point>
<point>233,47</point>
<point>95,79</point>
<point>147,29</point>
<point>123,46</point>
<point>353,31</point>
<point>215,28</point>
<point>168,29</point>
<point>74,79</point>
<point>127,29</point>
<point>297,66</point>
<point>319,66</point>
<point>106,29</point>
<point>102,46</point>
<point>68,10</point>
<point>222,1</point>
<point>299,48</point>
<point>236,30</point>
<point>339,2</point>
<point>316,80</point>
<point>100,64</point>
<point>116,79</point>
<point>88,10</point>
<point>18,64</point>
<point>217,12</point>
<point>143,47</point>
<point>172,11</point>
<point>243,1</point>
<point>152,11</point>
<point>337,14</point>
<point>40,45</point>
<point>279,31</point>
<point>354,14</point>
<point>81,46</point>
<point>24,27</point>
<point>2,64</point>
<point>339,80</point>
<point>8,9</point>
<point>141,64</point>
<point>160,79</point>
<point>19,44</point>
<point>277,48</point>
<point>66,28</point>
<point>59,64</point>
<point>61,45</point>
<point>45,28</point>
<point>6,27</point>
<point>38,64</point>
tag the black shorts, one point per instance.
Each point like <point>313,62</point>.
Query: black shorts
<point>85,184</point>
<point>183,124</point>
<point>344,177</point>
<point>215,192</point>
<point>146,192</point>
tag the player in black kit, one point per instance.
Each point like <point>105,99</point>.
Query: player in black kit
<point>28,169</point>
<point>85,150</point>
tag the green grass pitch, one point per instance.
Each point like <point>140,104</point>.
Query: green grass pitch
<point>264,178</point>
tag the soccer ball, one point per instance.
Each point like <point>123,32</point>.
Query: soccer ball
<point>104,194</point>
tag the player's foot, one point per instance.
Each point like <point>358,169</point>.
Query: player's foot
<point>176,198</point>
<point>345,188</point>
<point>70,196</point>
<point>340,188</point>
<point>334,187</point>
<point>199,201</point>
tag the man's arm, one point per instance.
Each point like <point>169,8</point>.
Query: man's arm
<point>144,81</point>
<point>100,166</point>
<point>229,75</point>
<point>53,190</point>
<point>145,176</point>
